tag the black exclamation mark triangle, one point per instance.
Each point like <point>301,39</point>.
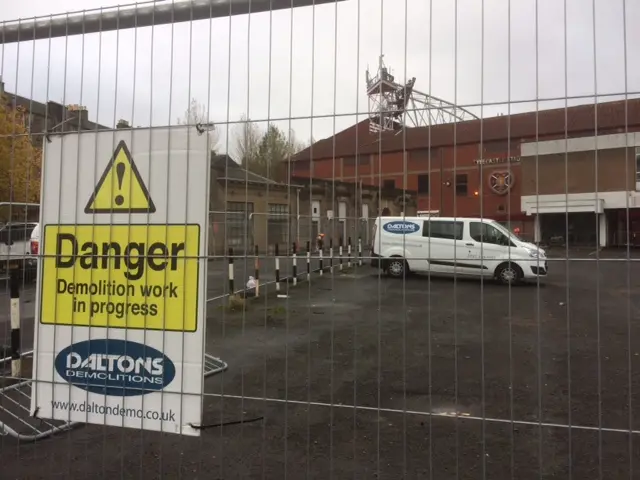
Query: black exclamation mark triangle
<point>120,168</point>
<point>132,196</point>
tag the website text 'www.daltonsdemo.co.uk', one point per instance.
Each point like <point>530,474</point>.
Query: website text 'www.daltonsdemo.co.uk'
<point>90,407</point>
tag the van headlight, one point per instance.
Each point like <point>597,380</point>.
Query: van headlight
<point>533,254</point>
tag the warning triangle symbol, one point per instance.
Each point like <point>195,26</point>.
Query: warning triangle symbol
<point>120,188</point>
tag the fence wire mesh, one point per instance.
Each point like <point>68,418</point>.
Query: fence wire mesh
<point>319,239</point>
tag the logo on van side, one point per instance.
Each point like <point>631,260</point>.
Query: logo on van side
<point>115,367</point>
<point>401,227</point>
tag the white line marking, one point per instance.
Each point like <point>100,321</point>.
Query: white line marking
<point>464,416</point>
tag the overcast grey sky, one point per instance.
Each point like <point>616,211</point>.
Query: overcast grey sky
<point>147,75</point>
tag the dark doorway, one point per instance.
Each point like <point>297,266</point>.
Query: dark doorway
<point>624,227</point>
<point>573,229</point>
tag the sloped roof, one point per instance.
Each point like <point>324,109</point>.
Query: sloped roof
<point>229,169</point>
<point>573,121</point>
<point>55,111</point>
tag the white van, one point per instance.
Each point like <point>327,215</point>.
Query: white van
<point>15,246</point>
<point>461,246</point>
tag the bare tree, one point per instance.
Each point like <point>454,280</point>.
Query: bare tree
<point>265,153</point>
<point>247,142</point>
<point>196,114</point>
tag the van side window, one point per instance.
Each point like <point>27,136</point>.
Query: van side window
<point>442,229</point>
<point>483,233</point>
<point>16,232</point>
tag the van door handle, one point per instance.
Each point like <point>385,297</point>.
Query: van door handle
<point>470,244</point>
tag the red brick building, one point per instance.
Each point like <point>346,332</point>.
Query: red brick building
<point>469,168</point>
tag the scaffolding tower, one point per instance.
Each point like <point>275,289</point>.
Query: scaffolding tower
<point>393,106</point>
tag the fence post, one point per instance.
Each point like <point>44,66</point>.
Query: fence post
<point>340,254</point>
<point>359,251</point>
<point>14,290</point>
<point>257,271</point>
<point>231,288</point>
<point>277,269</point>
<point>349,252</point>
<point>331,255</point>
<point>308,261</point>
<point>295,266</point>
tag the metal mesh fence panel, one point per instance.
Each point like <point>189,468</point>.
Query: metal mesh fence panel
<point>319,239</point>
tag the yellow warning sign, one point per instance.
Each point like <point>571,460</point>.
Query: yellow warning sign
<point>121,276</point>
<point>120,188</point>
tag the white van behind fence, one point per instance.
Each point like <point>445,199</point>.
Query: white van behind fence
<point>464,246</point>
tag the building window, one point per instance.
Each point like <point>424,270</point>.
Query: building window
<point>278,209</point>
<point>389,184</point>
<point>443,229</point>
<point>277,223</point>
<point>637,164</point>
<point>239,225</point>
<point>423,183</point>
<point>461,185</point>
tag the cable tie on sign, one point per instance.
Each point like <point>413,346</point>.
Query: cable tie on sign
<point>226,424</point>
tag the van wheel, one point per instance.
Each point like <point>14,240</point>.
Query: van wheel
<point>396,267</point>
<point>509,274</point>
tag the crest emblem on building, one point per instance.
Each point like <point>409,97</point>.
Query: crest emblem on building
<point>500,182</point>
